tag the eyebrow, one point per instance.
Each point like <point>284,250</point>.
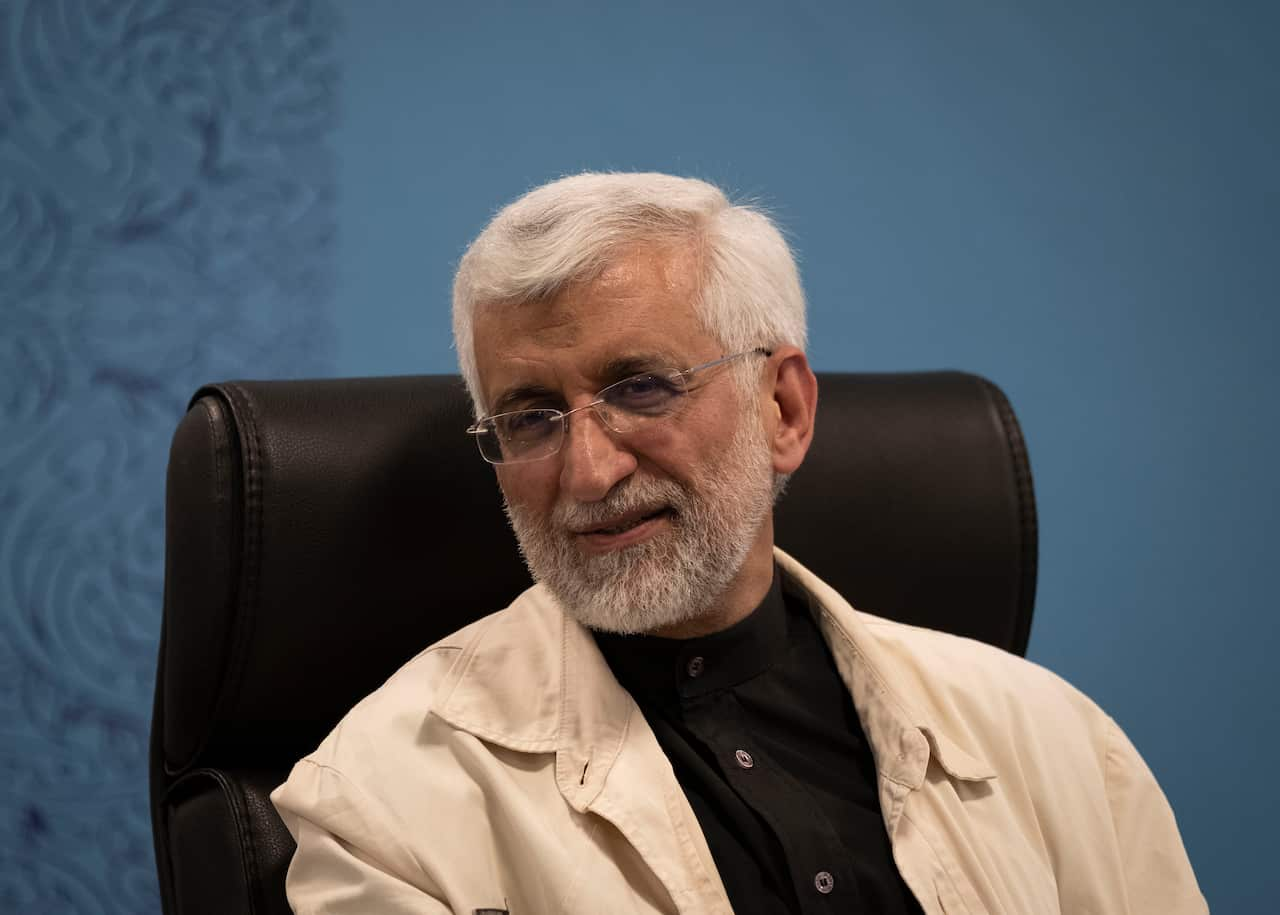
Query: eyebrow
<point>523,394</point>
<point>626,366</point>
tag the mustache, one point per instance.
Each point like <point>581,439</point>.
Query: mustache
<point>630,496</point>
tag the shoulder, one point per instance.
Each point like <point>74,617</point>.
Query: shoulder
<point>956,683</point>
<point>1000,707</point>
<point>939,669</point>
<point>919,656</point>
<point>395,759</point>
<point>395,710</point>
<point>1054,767</point>
<point>438,743</point>
<point>402,718</point>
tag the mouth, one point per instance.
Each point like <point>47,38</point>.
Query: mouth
<point>625,529</point>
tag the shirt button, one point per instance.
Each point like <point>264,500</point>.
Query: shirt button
<point>695,666</point>
<point>824,882</point>
<point>744,759</point>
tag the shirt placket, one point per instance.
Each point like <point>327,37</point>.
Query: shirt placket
<point>821,877</point>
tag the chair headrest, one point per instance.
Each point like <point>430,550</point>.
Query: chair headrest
<point>320,533</point>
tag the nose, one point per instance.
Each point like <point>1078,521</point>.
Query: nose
<point>592,459</point>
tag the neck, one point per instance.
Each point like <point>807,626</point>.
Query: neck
<point>743,595</point>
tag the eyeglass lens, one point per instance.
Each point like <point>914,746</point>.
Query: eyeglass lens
<point>624,406</point>
<point>525,435</point>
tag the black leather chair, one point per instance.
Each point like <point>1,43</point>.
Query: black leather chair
<point>320,533</point>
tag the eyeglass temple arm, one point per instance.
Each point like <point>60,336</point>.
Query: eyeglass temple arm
<point>759,350</point>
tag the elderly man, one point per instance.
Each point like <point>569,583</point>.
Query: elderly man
<point>679,717</point>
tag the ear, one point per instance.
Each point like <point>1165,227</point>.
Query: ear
<point>794,398</point>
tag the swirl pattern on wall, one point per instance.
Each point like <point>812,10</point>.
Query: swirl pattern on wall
<point>166,218</point>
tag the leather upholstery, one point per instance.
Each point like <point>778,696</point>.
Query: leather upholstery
<point>320,533</point>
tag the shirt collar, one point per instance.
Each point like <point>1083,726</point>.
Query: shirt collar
<point>670,670</point>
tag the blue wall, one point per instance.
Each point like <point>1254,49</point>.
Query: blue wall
<point>166,218</point>
<point>1080,201</point>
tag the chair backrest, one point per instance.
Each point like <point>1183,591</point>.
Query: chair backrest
<point>320,533</point>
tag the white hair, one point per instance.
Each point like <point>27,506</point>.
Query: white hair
<point>569,229</point>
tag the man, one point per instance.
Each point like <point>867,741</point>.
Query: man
<point>678,716</point>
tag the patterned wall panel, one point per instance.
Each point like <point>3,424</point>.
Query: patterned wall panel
<point>166,218</point>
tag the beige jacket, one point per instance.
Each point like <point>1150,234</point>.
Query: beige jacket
<point>505,768</point>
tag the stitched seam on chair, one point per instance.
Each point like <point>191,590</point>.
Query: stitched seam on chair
<point>251,869</point>
<point>170,890</point>
<point>219,471</point>
<point>248,851</point>
<point>239,820</point>
<point>1026,511</point>
<point>249,568</point>
<point>252,549</point>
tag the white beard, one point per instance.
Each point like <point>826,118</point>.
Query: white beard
<point>673,577</point>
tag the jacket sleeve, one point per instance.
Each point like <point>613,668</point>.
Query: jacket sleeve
<point>347,861</point>
<point>1157,871</point>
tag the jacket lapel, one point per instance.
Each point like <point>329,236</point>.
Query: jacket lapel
<point>534,681</point>
<point>902,739</point>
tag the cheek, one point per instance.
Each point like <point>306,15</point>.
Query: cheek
<point>665,451</point>
<point>530,486</point>
<point>681,452</point>
<point>708,432</point>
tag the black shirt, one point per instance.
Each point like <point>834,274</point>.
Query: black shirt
<point>763,738</point>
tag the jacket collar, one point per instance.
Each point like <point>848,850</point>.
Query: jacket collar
<point>902,735</point>
<point>533,680</point>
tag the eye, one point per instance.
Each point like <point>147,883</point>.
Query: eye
<point>651,392</point>
<point>526,425</point>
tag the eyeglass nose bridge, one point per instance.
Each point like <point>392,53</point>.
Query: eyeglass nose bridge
<point>608,416</point>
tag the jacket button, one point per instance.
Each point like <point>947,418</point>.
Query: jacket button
<point>695,666</point>
<point>744,759</point>
<point>824,882</point>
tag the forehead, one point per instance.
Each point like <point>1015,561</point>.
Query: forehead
<point>641,303</point>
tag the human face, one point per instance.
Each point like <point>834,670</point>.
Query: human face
<point>646,531</point>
